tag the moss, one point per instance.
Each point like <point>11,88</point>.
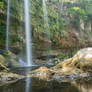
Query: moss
<point>62,56</point>
<point>9,54</point>
<point>2,59</point>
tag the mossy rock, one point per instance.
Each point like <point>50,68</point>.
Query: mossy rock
<point>10,55</point>
<point>11,59</point>
<point>2,59</point>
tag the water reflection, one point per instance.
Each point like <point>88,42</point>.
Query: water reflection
<point>36,85</point>
<point>28,81</point>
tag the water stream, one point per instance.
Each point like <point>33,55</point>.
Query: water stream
<point>28,33</point>
<point>7,25</point>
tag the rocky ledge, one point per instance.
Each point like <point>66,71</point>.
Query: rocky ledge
<point>77,67</point>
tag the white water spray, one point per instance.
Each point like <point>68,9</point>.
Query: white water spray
<point>28,33</point>
<point>7,26</point>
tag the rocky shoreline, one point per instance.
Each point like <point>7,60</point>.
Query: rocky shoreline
<point>77,67</point>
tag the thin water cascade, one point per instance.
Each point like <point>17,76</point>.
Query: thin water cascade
<point>7,25</point>
<point>28,33</point>
<point>46,23</point>
<point>46,29</point>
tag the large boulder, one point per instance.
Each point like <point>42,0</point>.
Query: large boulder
<point>82,60</point>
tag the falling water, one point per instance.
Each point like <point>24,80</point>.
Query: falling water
<point>46,23</point>
<point>7,27</point>
<point>47,30</point>
<point>28,33</point>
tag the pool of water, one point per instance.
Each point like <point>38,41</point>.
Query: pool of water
<point>36,85</point>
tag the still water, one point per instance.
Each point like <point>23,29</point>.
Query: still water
<point>36,85</point>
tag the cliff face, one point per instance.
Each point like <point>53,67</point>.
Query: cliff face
<point>69,23</point>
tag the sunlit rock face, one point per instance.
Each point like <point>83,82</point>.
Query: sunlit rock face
<point>83,59</point>
<point>85,53</point>
<point>78,65</point>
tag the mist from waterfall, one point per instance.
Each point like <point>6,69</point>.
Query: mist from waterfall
<point>46,22</point>
<point>28,33</point>
<point>7,25</point>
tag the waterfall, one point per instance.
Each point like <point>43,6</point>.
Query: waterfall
<point>7,25</point>
<point>46,23</point>
<point>28,33</point>
<point>46,29</point>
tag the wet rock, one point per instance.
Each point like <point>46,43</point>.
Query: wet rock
<point>43,73</point>
<point>7,78</point>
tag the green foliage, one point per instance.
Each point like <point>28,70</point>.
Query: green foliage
<point>1,4</point>
<point>77,13</point>
<point>14,39</point>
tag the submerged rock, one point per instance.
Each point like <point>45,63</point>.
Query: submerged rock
<point>76,66</point>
